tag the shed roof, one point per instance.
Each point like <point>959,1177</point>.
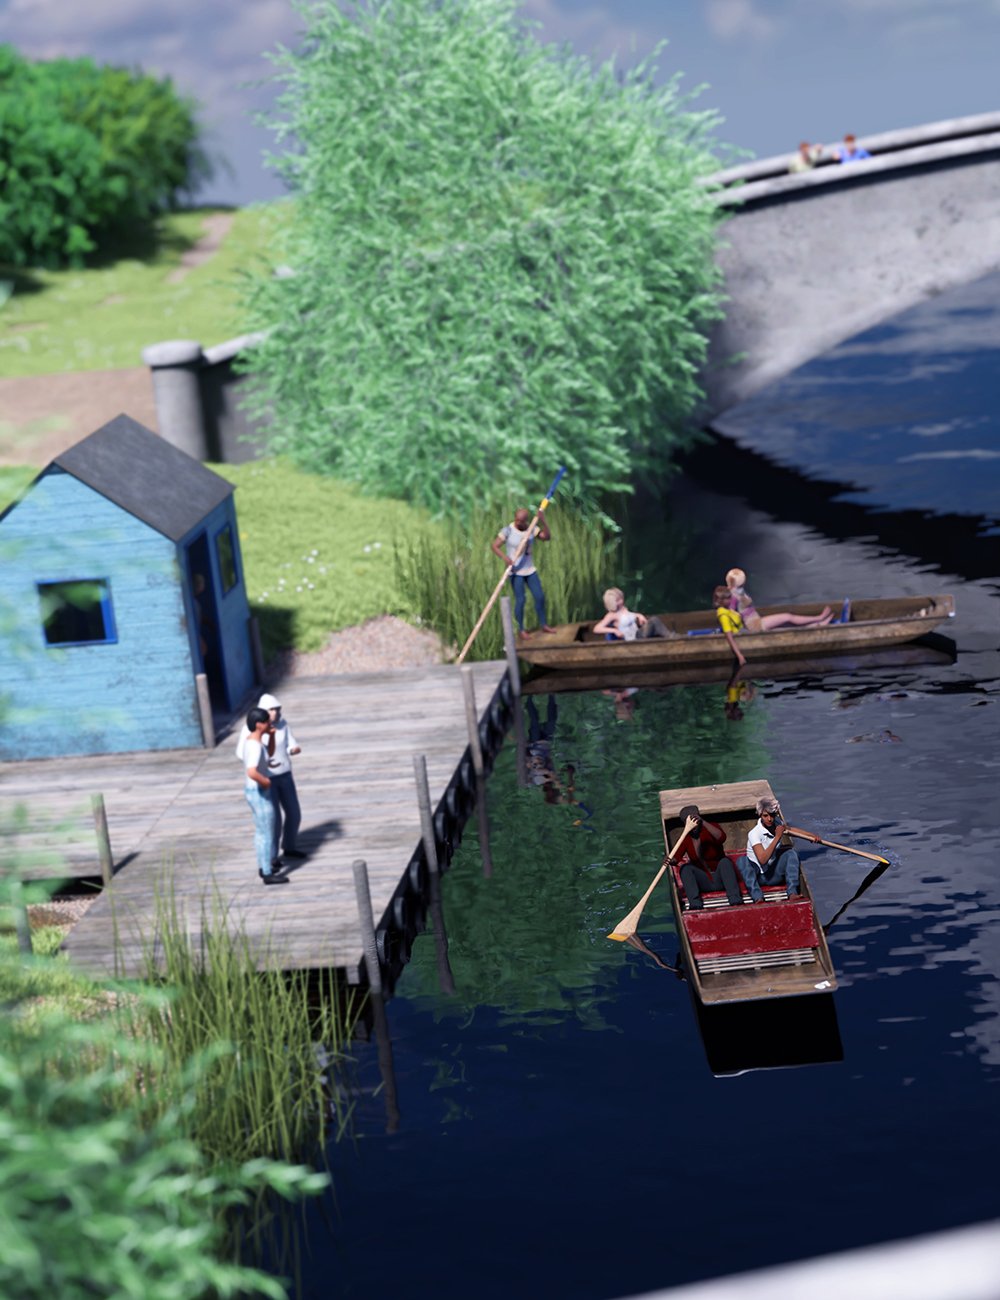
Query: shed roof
<point>145,475</point>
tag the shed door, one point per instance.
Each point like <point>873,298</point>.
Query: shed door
<point>206,612</point>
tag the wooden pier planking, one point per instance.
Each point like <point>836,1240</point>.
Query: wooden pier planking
<point>178,819</point>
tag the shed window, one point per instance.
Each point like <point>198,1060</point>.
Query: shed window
<point>77,613</point>
<point>226,553</point>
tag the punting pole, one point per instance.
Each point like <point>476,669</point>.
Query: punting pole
<point>546,499</point>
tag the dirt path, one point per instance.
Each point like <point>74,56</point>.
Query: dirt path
<point>42,415</point>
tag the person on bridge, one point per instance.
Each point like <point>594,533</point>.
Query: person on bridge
<point>850,150</point>
<point>807,157</point>
<point>523,573</point>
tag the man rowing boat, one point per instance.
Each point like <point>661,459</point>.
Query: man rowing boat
<point>768,861</point>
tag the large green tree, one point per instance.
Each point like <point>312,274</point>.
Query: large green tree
<point>88,154</point>
<point>502,257</point>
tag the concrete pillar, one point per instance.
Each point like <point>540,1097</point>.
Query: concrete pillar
<point>180,412</point>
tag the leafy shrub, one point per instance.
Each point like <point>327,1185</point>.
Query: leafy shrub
<point>87,155</point>
<point>503,260</point>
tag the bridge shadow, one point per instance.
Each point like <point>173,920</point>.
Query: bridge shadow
<point>958,544</point>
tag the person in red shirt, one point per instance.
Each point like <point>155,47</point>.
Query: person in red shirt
<point>703,864</point>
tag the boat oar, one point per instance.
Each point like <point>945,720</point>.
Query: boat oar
<point>628,925</point>
<point>510,568</point>
<point>829,844</point>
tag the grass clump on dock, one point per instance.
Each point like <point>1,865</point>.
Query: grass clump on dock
<point>273,1044</point>
<point>447,576</point>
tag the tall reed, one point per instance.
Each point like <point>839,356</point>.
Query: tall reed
<point>447,576</point>
<point>274,1043</point>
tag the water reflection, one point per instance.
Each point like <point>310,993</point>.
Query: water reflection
<point>781,1034</point>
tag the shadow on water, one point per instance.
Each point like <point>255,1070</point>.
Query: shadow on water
<point>775,1035</point>
<point>966,544</point>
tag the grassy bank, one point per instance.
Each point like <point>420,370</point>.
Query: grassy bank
<point>101,317</point>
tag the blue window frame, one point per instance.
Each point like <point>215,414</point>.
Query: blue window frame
<point>225,553</point>
<point>77,612</point>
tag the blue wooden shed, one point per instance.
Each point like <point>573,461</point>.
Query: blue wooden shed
<point>121,581</point>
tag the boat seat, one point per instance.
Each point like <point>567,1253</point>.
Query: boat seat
<point>738,932</point>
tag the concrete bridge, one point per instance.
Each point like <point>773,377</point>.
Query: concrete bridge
<point>809,260</point>
<point>812,258</point>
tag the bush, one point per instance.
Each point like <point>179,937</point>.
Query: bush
<point>503,260</point>
<point>87,155</point>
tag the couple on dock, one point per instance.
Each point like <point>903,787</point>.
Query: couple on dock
<point>705,868</point>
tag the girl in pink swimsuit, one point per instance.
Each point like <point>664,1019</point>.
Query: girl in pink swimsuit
<point>741,603</point>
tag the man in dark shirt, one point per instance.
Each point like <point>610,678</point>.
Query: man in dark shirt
<point>703,864</point>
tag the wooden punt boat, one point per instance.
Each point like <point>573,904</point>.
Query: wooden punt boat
<point>872,624</point>
<point>774,949</point>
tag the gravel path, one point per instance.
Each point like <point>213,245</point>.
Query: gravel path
<point>381,643</point>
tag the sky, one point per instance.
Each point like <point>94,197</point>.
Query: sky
<point>778,71</point>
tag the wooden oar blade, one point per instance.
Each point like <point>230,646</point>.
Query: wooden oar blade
<point>628,925</point>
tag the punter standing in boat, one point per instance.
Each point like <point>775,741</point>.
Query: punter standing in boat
<point>523,573</point>
<point>703,864</point>
<point>768,861</point>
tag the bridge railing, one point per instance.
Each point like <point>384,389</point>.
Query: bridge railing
<point>972,132</point>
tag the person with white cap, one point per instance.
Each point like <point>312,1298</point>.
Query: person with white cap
<point>288,814</point>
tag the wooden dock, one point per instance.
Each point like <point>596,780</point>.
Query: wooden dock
<point>178,821</point>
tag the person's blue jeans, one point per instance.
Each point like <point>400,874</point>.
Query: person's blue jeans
<point>263,809</point>
<point>287,813</point>
<point>784,870</point>
<point>534,584</point>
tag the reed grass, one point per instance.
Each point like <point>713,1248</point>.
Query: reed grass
<point>447,576</point>
<point>274,1044</point>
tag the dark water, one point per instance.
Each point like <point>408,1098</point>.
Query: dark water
<point>561,1131</point>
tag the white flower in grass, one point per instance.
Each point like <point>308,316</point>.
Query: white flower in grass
<point>315,552</point>
<point>310,560</point>
<point>322,568</point>
<point>366,549</point>
<point>377,545</point>
<point>298,588</point>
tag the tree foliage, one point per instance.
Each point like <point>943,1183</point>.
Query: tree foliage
<point>87,153</point>
<point>502,257</point>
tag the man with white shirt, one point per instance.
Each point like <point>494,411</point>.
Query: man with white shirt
<point>253,750</point>
<point>287,813</point>
<point>768,861</point>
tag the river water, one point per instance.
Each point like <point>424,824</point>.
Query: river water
<point>562,1132</point>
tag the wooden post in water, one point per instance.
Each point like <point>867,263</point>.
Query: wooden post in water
<point>445,977</point>
<point>383,1042</point>
<point>472,720</point>
<point>21,923</point>
<point>510,647</point>
<point>103,838</point>
<point>205,711</point>
<point>366,921</point>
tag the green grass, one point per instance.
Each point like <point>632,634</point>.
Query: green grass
<point>276,1042</point>
<point>448,575</point>
<point>318,554</point>
<point>102,317</point>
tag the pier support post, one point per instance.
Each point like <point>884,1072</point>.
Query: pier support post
<point>510,647</point>
<point>21,923</point>
<point>103,838</point>
<point>445,977</point>
<point>205,711</point>
<point>366,921</point>
<point>380,1021</point>
<point>472,720</point>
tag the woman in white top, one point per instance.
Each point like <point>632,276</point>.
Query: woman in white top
<point>623,624</point>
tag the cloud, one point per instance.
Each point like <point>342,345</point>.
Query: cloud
<point>594,29</point>
<point>740,20</point>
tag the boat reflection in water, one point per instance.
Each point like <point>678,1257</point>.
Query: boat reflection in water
<point>780,1034</point>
